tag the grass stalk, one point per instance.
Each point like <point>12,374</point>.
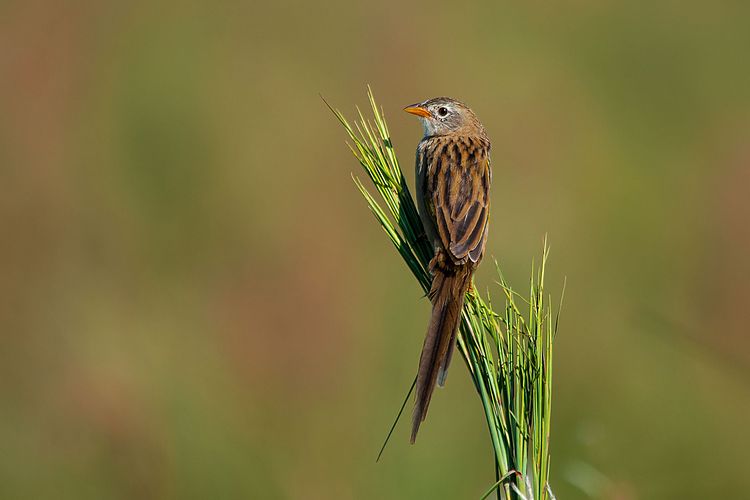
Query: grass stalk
<point>508,353</point>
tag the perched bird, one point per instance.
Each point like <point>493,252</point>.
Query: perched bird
<point>453,182</point>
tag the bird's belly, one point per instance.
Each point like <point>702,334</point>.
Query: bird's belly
<point>425,209</point>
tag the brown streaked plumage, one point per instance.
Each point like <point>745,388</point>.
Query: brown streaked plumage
<point>453,181</point>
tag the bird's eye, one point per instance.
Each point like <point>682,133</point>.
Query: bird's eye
<point>442,111</point>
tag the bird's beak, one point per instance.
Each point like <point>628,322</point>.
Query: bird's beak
<point>418,110</point>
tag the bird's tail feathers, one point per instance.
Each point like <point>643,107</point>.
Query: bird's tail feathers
<point>449,286</point>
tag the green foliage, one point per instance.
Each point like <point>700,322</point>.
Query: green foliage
<point>508,353</point>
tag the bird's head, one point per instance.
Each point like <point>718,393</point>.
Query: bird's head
<point>446,116</point>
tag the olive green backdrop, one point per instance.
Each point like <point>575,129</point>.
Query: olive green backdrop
<point>196,303</point>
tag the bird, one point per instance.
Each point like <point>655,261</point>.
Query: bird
<point>453,178</point>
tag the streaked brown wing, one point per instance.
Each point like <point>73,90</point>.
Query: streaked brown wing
<point>459,185</point>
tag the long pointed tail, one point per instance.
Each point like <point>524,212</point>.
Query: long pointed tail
<point>449,286</point>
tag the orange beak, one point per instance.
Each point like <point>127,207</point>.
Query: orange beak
<point>418,110</point>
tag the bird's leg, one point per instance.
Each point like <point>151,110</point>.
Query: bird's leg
<point>437,262</point>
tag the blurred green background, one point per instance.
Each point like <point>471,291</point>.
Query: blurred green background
<point>196,303</point>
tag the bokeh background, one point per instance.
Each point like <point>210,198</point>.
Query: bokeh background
<point>196,303</point>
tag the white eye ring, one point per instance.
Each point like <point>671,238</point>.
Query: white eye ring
<point>442,111</point>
